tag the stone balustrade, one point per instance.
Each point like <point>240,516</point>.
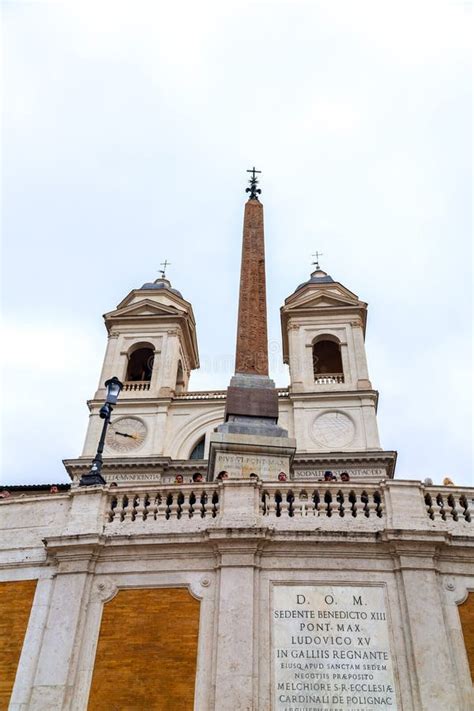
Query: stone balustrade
<point>202,395</point>
<point>175,502</point>
<point>133,385</point>
<point>449,504</point>
<point>329,378</point>
<point>291,504</point>
<point>327,501</point>
<point>239,504</point>
<point>217,394</point>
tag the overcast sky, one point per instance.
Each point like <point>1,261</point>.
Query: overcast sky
<point>127,131</point>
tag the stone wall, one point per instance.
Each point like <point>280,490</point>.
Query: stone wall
<point>402,549</point>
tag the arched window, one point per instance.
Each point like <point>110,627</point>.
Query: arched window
<point>180,384</point>
<point>327,362</point>
<point>198,450</point>
<point>140,364</point>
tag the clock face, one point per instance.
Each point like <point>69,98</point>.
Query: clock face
<point>126,434</point>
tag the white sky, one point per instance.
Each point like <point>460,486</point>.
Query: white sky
<point>127,130</point>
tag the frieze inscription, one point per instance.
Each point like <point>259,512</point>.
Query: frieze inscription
<point>242,465</point>
<point>318,474</point>
<point>330,647</point>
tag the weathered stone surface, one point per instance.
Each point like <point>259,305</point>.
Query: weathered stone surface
<point>243,454</point>
<point>412,542</point>
<point>256,402</point>
<point>252,343</point>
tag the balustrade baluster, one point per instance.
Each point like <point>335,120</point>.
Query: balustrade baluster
<point>429,505</point>
<point>152,510</point>
<point>134,500</point>
<point>283,504</point>
<point>185,505</point>
<point>452,508</point>
<point>192,504</point>
<point>353,502</point>
<point>162,511</point>
<point>290,500</point>
<point>379,505</point>
<point>173,506</point>
<point>140,508</point>
<point>464,504</point>
<point>204,501</point>
<point>124,508</point>
<point>441,506</point>
<point>364,500</point>
<point>371,507</point>
<point>271,504</point>
<point>437,509</point>
<point>215,504</point>
<point>111,511</point>
<point>329,503</point>
<point>300,505</point>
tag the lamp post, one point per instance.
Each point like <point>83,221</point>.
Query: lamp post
<point>94,477</point>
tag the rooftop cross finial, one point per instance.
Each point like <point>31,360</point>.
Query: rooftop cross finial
<point>317,255</point>
<point>164,265</point>
<point>253,190</point>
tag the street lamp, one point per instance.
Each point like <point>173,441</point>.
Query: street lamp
<point>94,477</point>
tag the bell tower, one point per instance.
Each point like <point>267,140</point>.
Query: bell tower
<point>151,348</point>
<point>323,329</point>
<point>151,341</point>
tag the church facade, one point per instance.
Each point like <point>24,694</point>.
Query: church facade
<point>247,549</point>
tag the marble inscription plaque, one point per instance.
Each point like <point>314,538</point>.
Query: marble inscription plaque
<point>330,647</point>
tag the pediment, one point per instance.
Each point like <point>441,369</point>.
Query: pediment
<point>320,298</point>
<point>144,308</point>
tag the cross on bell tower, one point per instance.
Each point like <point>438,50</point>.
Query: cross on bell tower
<point>164,265</point>
<point>316,255</point>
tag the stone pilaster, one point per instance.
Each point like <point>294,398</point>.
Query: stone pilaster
<point>236,675</point>
<point>53,686</point>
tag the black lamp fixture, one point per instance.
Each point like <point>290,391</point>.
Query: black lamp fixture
<point>94,477</point>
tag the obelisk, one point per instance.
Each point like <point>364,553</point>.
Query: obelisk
<point>252,399</point>
<point>250,441</point>
<point>251,356</point>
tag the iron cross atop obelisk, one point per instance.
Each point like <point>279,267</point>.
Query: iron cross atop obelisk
<point>253,190</point>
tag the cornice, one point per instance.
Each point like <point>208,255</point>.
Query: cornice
<point>184,400</point>
<point>153,465</point>
<point>317,395</point>
<point>361,456</point>
<point>166,466</point>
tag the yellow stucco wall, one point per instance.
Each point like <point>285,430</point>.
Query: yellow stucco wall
<point>147,651</point>
<point>466,613</point>
<point>16,599</point>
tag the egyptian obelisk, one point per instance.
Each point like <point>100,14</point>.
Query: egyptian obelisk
<point>251,414</point>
